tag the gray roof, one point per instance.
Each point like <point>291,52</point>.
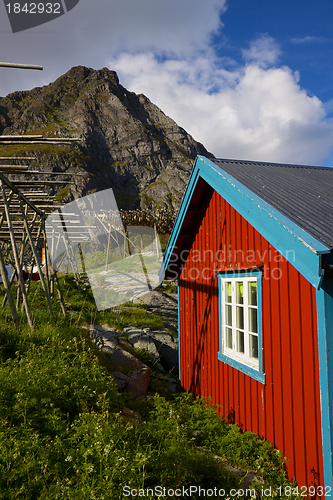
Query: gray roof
<point>304,194</point>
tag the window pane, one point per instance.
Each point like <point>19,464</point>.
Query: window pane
<point>254,346</point>
<point>253,320</point>
<point>240,341</point>
<point>228,315</point>
<point>252,292</point>
<point>228,291</point>
<point>228,338</point>
<point>239,292</point>
<point>240,317</point>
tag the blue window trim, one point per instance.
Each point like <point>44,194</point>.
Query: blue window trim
<point>251,372</point>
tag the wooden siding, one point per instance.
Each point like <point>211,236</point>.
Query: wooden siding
<point>286,409</point>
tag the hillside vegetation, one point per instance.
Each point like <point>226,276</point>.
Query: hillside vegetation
<point>67,433</point>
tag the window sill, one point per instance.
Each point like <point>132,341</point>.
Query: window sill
<point>251,372</point>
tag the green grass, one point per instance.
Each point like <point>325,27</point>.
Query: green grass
<point>63,431</point>
<point>166,287</point>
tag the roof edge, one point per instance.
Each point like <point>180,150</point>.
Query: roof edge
<point>295,244</point>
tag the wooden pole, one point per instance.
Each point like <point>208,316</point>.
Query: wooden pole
<point>16,257</point>
<point>8,289</point>
<point>46,262</point>
<point>69,249</point>
<point>18,158</point>
<point>157,245</point>
<point>108,249</point>
<point>20,66</point>
<point>11,186</point>
<point>34,253</point>
<point>21,258</point>
<point>54,273</point>
<point>32,262</point>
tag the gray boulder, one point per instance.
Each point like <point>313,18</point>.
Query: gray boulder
<point>138,382</point>
<point>140,340</point>
<point>167,348</point>
<point>120,379</point>
<point>126,359</point>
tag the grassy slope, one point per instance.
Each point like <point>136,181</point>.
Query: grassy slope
<point>63,430</point>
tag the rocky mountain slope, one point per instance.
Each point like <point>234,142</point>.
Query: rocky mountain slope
<point>127,142</point>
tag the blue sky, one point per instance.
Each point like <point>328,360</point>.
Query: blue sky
<point>250,79</point>
<point>303,30</point>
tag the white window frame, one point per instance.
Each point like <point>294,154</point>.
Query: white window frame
<point>233,330</point>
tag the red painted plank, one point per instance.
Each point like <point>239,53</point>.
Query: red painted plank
<point>276,349</point>
<point>214,326</point>
<point>288,388</point>
<point>286,410</point>
<point>261,411</point>
<point>310,376</point>
<point>299,466</point>
<point>251,246</point>
<point>267,346</point>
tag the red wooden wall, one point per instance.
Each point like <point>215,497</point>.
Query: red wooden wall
<point>286,409</point>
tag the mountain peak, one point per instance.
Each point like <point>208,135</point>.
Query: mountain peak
<point>127,142</point>
<point>89,75</point>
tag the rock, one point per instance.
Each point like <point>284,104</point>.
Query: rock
<point>94,334</point>
<point>163,385</point>
<point>138,382</point>
<point>118,335</point>
<point>120,379</point>
<point>161,304</point>
<point>171,326</point>
<point>164,338</point>
<point>132,330</point>
<point>153,299</point>
<point>140,340</point>
<point>169,357</point>
<point>104,337</point>
<point>160,368</point>
<point>167,348</point>
<point>131,416</point>
<point>106,330</point>
<point>124,344</point>
<point>118,348</point>
<point>106,348</point>
<point>124,358</point>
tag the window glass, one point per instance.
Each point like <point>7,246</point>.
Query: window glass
<point>254,351</point>
<point>228,291</point>
<point>253,320</point>
<point>252,293</point>
<point>229,338</point>
<point>239,292</point>
<point>240,317</point>
<point>228,315</point>
<point>240,341</point>
<point>240,322</point>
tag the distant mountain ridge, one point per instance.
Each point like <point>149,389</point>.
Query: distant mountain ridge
<point>127,143</point>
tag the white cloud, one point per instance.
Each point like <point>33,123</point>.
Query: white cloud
<point>254,112</point>
<point>93,32</point>
<point>263,51</point>
<point>309,39</point>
